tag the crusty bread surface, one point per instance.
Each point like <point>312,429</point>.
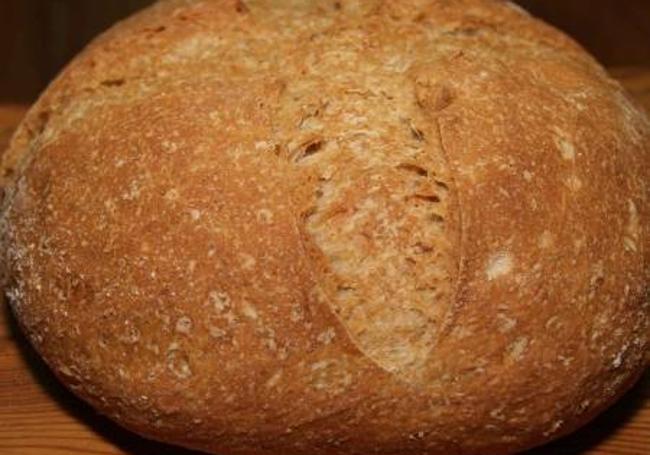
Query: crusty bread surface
<point>334,227</point>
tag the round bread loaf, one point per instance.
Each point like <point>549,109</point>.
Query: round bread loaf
<point>334,227</point>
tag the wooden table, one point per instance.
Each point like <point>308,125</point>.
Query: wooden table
<point>39,417</point>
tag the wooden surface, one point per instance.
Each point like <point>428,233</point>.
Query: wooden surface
<point>39,417</point>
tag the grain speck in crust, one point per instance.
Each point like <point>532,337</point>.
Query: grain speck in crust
<point>291,227</point>
<point>499,264</point>
<point>184,325</point>
<point>566,147</point>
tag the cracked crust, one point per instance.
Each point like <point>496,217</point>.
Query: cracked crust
<point>315,227</point>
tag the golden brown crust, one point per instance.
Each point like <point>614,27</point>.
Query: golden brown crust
<point>334,227</point>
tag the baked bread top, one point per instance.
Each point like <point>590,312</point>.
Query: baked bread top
<point>309,227</point>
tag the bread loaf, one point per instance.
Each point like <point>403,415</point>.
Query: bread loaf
<point>291,227</point>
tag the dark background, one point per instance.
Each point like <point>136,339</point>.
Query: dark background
<point>37,37</point>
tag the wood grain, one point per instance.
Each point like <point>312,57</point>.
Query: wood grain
<point>38,416</point>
